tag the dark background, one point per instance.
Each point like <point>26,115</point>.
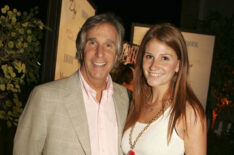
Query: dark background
<point>182,13</point>
<point>130,11</point>
<point>144,11</point>
<point>185,14</point>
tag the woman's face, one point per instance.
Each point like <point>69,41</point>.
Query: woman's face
<point>160,63</point>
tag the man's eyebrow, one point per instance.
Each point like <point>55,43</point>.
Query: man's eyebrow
<point>111,41</point>
<point>91,39</point>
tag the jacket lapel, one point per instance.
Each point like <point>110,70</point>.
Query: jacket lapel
<point>75,106</point>
<point>121,109</point>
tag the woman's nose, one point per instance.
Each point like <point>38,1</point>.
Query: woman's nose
<point>154,64</point>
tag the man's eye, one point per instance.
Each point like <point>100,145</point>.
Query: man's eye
<point>165,58</point>
<point>109,45</point>
<point>92,42</point>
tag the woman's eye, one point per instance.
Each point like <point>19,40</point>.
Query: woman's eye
<point>148,56</point>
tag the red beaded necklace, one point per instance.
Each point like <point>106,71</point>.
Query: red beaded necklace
<point>132,145</point>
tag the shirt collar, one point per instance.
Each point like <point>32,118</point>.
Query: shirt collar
<point>91,91</point>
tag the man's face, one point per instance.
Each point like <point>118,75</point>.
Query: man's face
<point>99,53</point>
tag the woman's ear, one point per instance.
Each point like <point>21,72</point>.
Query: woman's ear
<point>177,67</point>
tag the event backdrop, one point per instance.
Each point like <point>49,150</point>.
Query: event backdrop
<point>200,52</point>
<point>73,14</point>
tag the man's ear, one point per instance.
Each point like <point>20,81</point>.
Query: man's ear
<point>116,58</point>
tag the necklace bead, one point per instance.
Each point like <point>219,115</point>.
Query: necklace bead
<point>132,144</point>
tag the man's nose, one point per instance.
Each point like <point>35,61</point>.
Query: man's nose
<point>99,51</point>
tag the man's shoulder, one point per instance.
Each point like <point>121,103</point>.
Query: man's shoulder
<point>60,84</point>
<point>119,87</point>
<point>120,90</point>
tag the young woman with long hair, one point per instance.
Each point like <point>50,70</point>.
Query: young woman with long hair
<point>165,117</point>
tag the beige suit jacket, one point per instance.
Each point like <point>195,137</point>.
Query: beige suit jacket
<point>54,120</point>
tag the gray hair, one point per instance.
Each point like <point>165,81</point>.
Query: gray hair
<point>92,22</point>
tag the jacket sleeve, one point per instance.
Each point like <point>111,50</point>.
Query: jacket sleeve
<point>31,131</point>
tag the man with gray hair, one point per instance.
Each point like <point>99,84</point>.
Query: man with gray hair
<point>82,114</point>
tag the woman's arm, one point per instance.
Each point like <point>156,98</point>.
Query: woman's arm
<point>195,139</point>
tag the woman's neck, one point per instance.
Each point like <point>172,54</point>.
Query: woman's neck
<point>160,96</point>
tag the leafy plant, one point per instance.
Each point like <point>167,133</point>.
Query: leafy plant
<point>20,52</point>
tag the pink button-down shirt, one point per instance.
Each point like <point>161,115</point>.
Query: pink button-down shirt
<point>102,121</point>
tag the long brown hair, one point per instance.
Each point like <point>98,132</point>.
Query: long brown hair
<point>179,90</point>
